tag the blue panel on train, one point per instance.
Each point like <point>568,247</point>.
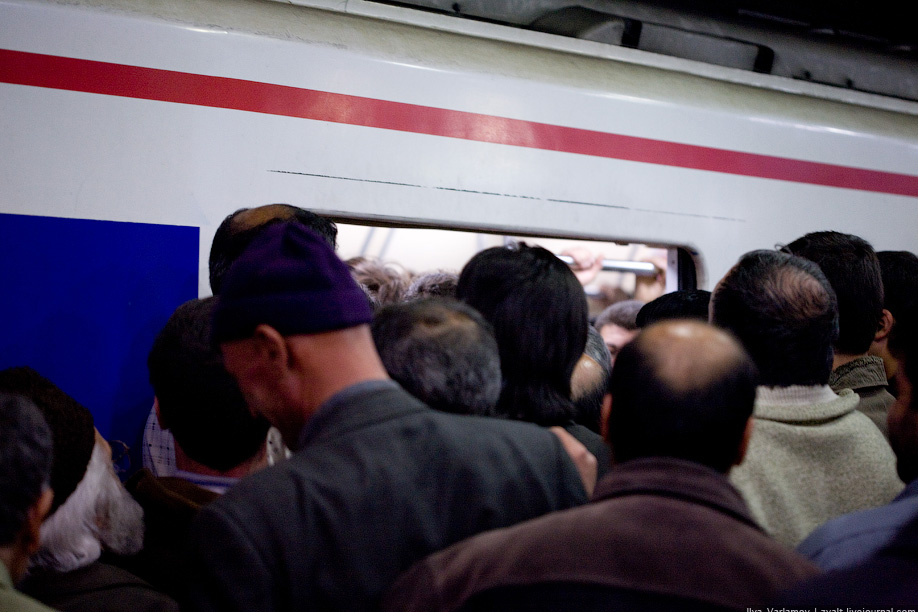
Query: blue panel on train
<point>82,302</point>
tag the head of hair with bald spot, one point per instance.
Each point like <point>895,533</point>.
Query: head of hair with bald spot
<point>784,311</point>
<point>241,227</point>
<point>682,389</point>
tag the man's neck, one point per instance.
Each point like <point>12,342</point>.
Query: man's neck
<point>187,464</point>
<point>841,359</point>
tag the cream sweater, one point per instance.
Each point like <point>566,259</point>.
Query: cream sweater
<point>812,457</point>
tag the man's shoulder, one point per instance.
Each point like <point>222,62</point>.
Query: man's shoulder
<point>853,537</point>
<point>587,543</point>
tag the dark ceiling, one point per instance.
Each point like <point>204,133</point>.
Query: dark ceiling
<point>890,22</point>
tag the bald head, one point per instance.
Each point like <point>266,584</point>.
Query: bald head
<point>682,389</point>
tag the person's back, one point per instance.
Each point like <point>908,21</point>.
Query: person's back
<point>377,479</point>
<point>374,493</point>
<point>539,313</point>
<point>853,538</point>
<point>812,456</point>
<point>664,531</point>
<point>852,268</point>
<point>217,441</point>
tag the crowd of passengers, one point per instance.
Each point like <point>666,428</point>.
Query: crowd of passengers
<point>341,436</point>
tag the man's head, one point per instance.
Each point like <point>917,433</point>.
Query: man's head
<point>903,414</point>
<point>900,288</point>
<point>384,283</point>
<point>432,284</point>
<point>685,304</point>
<point>441,351</point>
<point>590,382</point>
<point>851,266</point>
<point>238,229</point>
<point>682,389</point>
<point>197,399</point>
<point>617,325</point>
<point>26,448</point>
<point>99,515</point>
<point>92,510</point>
<point>288,290</point>
<point>539,313</point>
<point>71,426</point>
<point>783,310</point>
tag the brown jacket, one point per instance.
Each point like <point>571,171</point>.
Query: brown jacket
<point>661,533</point>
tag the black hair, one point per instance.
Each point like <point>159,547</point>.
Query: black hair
<point>232,238</point>
<point>26,449</point>
<point>539,313</point>
<point>784,311</point>
<point>701,419</point>
<point>199,401</point>
<point>900,281</point>
<point>684,304</point>
<point>853,270</point>
<point>441,351</point>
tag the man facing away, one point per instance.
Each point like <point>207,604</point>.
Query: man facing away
<point>25,495</point>
<point>812,456</point>
<point>217,440</point>
<point>852,538</point>
<point>378,480</point>
<point>874,553</point>
<point>852,268</point>
<point>665,530</point>
<point>92,512</point>
<point>900,290</point>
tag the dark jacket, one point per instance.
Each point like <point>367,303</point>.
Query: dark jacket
<point>595,444</point>
<point>169,505</point>
<point>380,481</point>
<point>98,587</point>
<point>660,534</point>
<point>888,580</point>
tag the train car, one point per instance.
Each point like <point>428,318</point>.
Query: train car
<point>131,128</point>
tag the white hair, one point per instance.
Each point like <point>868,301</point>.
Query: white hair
<point>99,513</point>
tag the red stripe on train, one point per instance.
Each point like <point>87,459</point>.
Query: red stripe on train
<point>66,73</point>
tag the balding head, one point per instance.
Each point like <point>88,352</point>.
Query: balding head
<point>682,389</point>
<point>241,227</point>
<point>783,310</point>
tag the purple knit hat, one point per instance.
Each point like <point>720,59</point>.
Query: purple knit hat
<point>288,278</point>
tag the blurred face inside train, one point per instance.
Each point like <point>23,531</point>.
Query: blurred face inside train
<point>616,337</point>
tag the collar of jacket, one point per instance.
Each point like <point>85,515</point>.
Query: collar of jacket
<point>865,371</point>
<point>358,406</point>
<point>675,478</point>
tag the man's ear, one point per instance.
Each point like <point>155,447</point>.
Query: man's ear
<point>744,443</point>
<point>885,326</point>
<point>271,348</point>
<point>604,413</point>
<point>35,517</point>
<point>159,417</point>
